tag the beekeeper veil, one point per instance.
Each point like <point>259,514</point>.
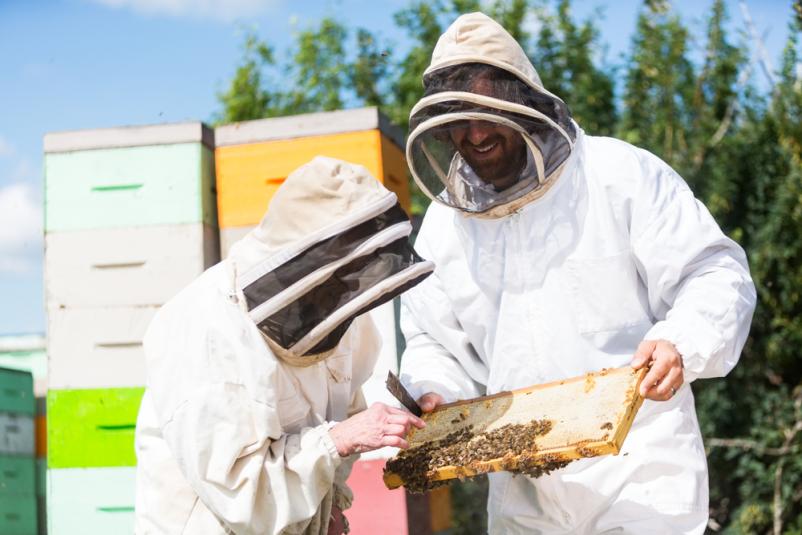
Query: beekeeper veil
<point>486,138</point>
<point>332,245</point>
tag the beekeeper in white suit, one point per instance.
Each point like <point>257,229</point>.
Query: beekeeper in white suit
<point>253,408</point>
<point>559,253</point>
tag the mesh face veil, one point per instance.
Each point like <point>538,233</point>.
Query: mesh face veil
<point>484,141</point>
<point>333,245</point>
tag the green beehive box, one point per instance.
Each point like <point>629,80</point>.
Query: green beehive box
<point>17,476</point>
<point>18,514</point>
<point>92,428</point>
<point>128,177</point>
<point>16,392</point>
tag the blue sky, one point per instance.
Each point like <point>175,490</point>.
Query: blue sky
<point>70,64</point>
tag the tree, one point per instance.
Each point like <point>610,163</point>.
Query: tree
<point>715,104</point>
<point>659,84</point>
<point>753,420</point>
<point>246,97</point>
<point>369,69</point>
<point>318,69</point>
<point>563,54</point>
<point>319,76</point>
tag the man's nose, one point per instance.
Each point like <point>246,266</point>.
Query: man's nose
<point>477,132</point>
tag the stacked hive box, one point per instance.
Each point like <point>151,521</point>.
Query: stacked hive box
<point>27,353</point>
<point>130,219</point>
<point>252,159</point>
<point>17,449</point>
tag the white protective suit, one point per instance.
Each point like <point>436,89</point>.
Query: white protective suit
<point>614,251</point>
<point>250,365</point>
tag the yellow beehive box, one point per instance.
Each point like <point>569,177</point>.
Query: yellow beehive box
<point>253,158</point>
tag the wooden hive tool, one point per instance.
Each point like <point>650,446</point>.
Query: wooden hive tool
<point>531,430</point>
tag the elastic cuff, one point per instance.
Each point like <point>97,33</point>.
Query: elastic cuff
<point>327,441</point>
<point>694,339</point>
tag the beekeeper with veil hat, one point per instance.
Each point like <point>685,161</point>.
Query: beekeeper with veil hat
<point>253,411</point>
<point>483,141</point>
<point>558,253</point>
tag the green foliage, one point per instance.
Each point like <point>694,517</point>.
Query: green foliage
<point>658,97</point>
<point>739,149</point>
<point>319,68</point>
<point>369,69</point>
<point>563,55</point>
<point>421,22</point>
<point>468,501</point>
<point>753,418</point>
<point>245,97</point>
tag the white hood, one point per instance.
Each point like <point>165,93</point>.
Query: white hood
<point>511,96</point>
<point>333,245</point>
<point>476,38</point>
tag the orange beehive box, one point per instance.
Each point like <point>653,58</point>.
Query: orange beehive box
<point>253,158</point>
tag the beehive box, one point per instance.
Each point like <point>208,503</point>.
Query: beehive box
<point>531,430</point>
<point>253,158</point>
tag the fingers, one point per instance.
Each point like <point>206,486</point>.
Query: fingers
<point>673,379</point>
<point>378,426</point>
<point>655,374</point>
<point>403,416</point>
<point>429,401</point>
<point>394,441</point>
<point>407,420</point>
<point>395,429</point>
<point>643,354</point>
<point>665,376</point>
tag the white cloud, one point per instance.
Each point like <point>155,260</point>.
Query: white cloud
<point>20,227</point>
<point>226,10</point>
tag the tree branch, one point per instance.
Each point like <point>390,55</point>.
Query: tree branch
<point>788,448</point>
<point>751,445</point>
<point>764,59</point>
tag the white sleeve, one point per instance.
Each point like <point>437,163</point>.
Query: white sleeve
<point>438,356</point>
<point>343,496</point>
<point>251,475</point>
<point>215,392</point>
<point>698,281</point>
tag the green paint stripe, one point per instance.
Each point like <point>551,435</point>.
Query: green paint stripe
<point>124,509</point>
<point>119,427</point>
<point>117,187</point>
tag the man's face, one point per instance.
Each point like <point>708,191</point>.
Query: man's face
<point>496,153</point>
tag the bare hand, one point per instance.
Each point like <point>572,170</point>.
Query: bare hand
<point>428,401</point>
<point>378,426</point>
<point>336,521</point>
<point>665,377</point>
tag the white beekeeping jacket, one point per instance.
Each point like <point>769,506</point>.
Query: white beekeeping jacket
<point>614,251</point>
<point>249,366</point>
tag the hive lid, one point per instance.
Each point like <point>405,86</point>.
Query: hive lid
<point>306,125</point>
<point>129,136</point>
